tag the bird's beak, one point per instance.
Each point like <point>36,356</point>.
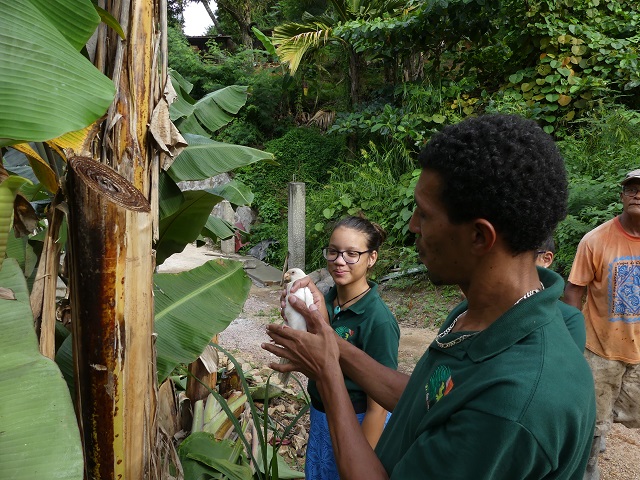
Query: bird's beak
<point>286,278</point>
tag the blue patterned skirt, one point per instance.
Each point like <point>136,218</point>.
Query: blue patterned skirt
<point>320,464</point>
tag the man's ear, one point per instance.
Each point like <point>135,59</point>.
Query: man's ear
<point>483,236</point>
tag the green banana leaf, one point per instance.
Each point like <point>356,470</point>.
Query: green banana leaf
<point>193,306</point>
<point>183,105</point>
<point>42,69</point>
<point>39,435</point>
<point>202,456</point>
<point>64,360</point>
<point>190,124</point>
<point>211,110</point>
<point>169,194</point>
<point>235,192</point>
<point>8,189</point>
<point>266,42</point>
<point>205,158</point>
<point>217,228</point>
<point>185,224</point>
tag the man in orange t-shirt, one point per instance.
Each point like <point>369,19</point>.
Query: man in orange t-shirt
<point>607,269</point>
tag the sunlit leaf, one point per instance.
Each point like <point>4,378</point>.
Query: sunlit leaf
<point>184,309</point>
<point>43,69</point>
<point>205,158</point>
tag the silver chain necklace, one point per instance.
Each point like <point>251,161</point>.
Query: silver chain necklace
<point>462,338</point>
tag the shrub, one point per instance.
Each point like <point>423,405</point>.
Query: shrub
<point>303,155</point>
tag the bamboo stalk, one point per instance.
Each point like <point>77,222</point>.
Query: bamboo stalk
<point>111,266</point>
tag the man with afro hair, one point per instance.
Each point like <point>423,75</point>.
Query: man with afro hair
<point>502,392</point>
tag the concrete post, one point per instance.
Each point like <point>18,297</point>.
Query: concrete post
<point>296,225</point>
<point>227,246</point>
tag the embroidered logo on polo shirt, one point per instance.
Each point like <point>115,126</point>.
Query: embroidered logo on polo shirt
<point>344,332</point>
<point>439,385</point>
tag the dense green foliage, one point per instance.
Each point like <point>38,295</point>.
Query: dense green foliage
<point>413,67</point>
<point>303,155</point>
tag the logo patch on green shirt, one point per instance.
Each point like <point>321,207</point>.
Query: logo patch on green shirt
<point>344,332</point>
<point>438,386</point>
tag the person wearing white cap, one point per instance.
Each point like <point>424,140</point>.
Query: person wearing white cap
<point>607,269</point>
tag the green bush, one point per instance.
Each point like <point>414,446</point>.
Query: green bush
<point>370,186</point>
<point>241,132</point>
<point>303,155</point>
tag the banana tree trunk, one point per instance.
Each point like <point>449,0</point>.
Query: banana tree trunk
<point>112,316</point>
<point>111,231</point>
<point>137,66</point>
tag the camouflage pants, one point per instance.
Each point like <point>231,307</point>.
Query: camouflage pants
<point>617,392</point>
<point>617,387</point>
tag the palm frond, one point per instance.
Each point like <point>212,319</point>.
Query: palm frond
<point>294,40</point>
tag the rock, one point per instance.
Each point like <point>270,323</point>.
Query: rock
<point>322,279</point>
<point>246,217</point>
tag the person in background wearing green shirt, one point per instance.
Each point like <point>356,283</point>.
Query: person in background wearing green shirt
<point>502,392</point>
<point>573,318</point>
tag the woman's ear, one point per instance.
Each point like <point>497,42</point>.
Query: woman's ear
<point>373,258</point>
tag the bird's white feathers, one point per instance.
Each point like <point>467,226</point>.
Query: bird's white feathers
<point>293,318</point>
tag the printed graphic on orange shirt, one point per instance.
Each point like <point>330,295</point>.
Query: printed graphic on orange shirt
<point>624,289</point>
<point>344,332</point>
<point>439,385</point>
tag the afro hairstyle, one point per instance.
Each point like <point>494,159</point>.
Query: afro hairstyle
<point>505,169</point>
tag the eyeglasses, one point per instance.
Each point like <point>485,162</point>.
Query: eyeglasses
<point>630,190</point>
<point>540,252</point>
<point>349,256</point>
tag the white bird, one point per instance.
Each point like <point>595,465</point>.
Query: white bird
<point>293,318</point>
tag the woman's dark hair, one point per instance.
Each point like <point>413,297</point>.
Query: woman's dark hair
<point>502,168</point>
<point>374,232</point>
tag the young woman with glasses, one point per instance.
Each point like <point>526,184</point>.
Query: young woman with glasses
<point>359,316</point>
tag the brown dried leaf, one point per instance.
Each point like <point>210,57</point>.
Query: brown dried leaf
<point>25,219</point>
<point>7,294</point>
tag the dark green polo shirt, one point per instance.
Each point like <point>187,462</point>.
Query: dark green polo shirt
<point>574,320</point>
<point>369,325</point>
<point>515,401</point>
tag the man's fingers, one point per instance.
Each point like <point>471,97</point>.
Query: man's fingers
<point>282,367</point>
<point>311,313</point>
<point>307,282</point>
<point>275,349</point>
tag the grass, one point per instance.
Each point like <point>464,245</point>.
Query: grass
<point>273,315</point>
<point>414,300</point>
